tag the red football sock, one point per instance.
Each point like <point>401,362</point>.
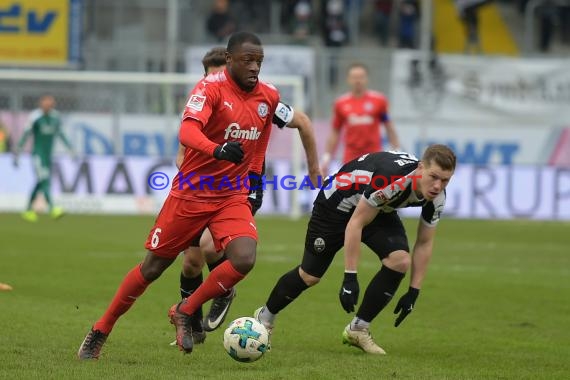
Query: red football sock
<point>131,288</point>
<point>217,283</point>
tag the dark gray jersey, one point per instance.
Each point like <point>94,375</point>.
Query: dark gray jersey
<point>385,179</point>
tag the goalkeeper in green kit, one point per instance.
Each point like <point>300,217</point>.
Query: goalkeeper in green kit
<point>44,125</point>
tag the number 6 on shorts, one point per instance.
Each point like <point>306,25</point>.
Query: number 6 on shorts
<point>154,240</point>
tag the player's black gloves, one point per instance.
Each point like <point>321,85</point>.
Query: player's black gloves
<point>230,151</point>
<point>348,294</point>
<point>255,197</point>
<point>406,305</point>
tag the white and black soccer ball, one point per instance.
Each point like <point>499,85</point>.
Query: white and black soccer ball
<point>246,339</point>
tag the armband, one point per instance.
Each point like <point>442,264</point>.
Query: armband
<point>283,115</point>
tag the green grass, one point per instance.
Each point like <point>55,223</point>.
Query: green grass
<point>495,305</point>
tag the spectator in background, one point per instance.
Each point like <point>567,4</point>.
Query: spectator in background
<point>409,15</point>
<point>335,28</point>
<point>335,33</point>
<point>302,20</point>
<point>382,11</point>
<point>254,15</point>
<point>469,14</point>
<point>548,13</point>
<point>220,23</point>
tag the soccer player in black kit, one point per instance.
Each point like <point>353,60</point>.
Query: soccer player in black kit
<point>358,204</point>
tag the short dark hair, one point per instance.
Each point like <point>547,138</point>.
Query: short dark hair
<point>216,57</point>
<point>441,155</point>
<point>239,38</point>
<point>357,65</point>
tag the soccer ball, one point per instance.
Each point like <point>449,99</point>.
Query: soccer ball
<point>246,339</point>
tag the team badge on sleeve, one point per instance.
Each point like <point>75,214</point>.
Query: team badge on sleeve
<point>380,197</point>
<point>196,102</point>
<point>262,110</point>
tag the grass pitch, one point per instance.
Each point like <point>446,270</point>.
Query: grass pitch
<point>495,305</point>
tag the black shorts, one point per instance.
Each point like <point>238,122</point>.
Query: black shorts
<point>325,237</point>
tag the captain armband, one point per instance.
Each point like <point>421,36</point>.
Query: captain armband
<point>283,115</point>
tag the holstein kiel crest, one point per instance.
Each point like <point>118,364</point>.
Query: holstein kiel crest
<point>262,110</point>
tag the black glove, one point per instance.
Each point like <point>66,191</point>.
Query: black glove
<point>348,294</point>
<point>406,305</point>
<point>230,151</point>
<point>255,197</point>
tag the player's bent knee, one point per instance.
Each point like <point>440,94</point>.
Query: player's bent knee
<point>208,250</point>
<point>241,254</point>
<point>191,269</point>
<point>308,279</point>
<point>242,261</point>
<point>399,261</point>
<point>153,266</point>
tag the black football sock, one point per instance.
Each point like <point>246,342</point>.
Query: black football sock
<point>187,286</point>
<point>379,292</point>
<point>289,287</point>
<point>213,265</point>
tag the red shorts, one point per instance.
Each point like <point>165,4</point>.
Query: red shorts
<point>181,222</point>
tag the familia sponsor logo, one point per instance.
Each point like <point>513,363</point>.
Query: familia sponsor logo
<point>234,131</point>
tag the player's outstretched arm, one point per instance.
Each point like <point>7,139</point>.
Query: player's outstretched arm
<point>330,149</point>
<point>302,122</point>
<point>20,145</point>
<point>420,259</point>
<point>392,135</point>
<point>66,142</point>
<point>421,254</point>
<point>363,215</point>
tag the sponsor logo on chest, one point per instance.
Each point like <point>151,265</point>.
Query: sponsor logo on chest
<point>354,120</point>
<point>235,131</point>
<point>47,129</point>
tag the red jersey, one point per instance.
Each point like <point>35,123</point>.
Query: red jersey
<point>226,113</point>
<point>360,118</point>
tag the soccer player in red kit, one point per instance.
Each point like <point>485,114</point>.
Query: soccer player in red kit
<point>358,114</point>
<point>225,128</point>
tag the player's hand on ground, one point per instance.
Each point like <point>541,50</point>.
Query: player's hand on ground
<point>406,305</point>
<point>229,151</point>
<point>349,290</point>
